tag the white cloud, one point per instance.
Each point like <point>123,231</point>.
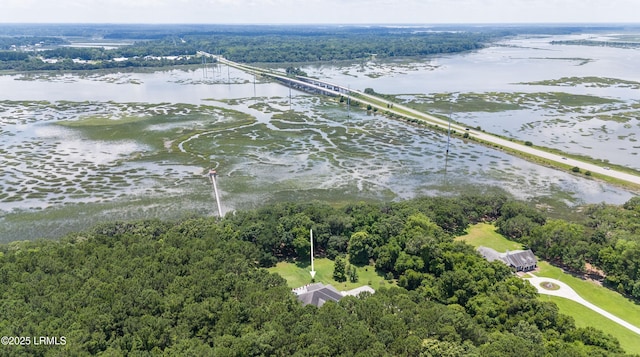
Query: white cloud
<point>319,11</point>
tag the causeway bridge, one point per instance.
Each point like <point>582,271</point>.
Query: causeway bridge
<point>316,86</point>
<point>306,84</point>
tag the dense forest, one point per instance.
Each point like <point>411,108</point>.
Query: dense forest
<point>249,46</point>
<point>34,47</point>
<point>608,239</point>
<point>198,286</point>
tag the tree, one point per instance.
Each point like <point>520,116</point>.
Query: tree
<point>528,331</point>
<point>337,245</point>
<point>419,225</point>
<point>386,256</point>
<point>510,345</point>
<point>449,215</point>
<point>353,274</point>
<point>518,219</point>
<point>295,71</point>
<point>432,347</point>
<point>196,287</point>
<point>294,232</point>
<point>517,227</point>
<point>591,336</point>
<point>361,247</point>
<point>512,209</point>
<point>411,279</point>
<point>339,270</point>
<point>553,240</point>
<point>406,261</point>
<point>302,245</point>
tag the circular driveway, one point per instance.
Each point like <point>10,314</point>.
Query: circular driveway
<point>565,291</point>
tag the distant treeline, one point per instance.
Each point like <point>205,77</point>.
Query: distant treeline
<point>196,287</point>
<point>8,43</point>
<point>618,44</point>
<point>335,46</point>
<point>249,44</point>
<point>158,31</point>
<point>246,43</point>
<point>31,63</point>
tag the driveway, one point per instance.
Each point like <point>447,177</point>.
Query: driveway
<point>568,293</point>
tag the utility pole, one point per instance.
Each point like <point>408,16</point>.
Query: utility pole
<point>348,101</point>
<point>449,130</point>
<point>204,66</point>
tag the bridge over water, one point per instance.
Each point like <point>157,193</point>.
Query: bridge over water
<point>316,86</point>
<point>301,83</point>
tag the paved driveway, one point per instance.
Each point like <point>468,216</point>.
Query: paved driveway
<point>566,292</point>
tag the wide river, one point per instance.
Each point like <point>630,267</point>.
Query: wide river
<point>56,178</point>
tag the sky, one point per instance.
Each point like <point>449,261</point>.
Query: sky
<point>319,11</point>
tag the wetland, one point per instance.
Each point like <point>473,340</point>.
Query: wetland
<point>80,148</point>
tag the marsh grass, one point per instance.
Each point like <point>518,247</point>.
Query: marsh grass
<point>589,81</point>
<point>493,102</point>
<point>101,120</point>
<point>201,136</point>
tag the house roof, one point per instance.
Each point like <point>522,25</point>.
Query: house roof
<point>520,258</point>
<point>516,258</point>
<point>488,253</point>
<point>317,294</point>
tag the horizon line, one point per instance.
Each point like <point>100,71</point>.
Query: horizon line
<point>568,23</point>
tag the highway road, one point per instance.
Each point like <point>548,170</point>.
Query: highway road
<point>481,136</point>
<point>493,139</point>
<point>584,166</point>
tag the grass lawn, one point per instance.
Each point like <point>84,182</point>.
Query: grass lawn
<point>484,234</point>
<point>604,298</point>
<point>298,275</point>
<point>583,317</point>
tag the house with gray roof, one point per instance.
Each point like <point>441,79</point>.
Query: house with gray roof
<point>520,260</point>
<point>318,294</point>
